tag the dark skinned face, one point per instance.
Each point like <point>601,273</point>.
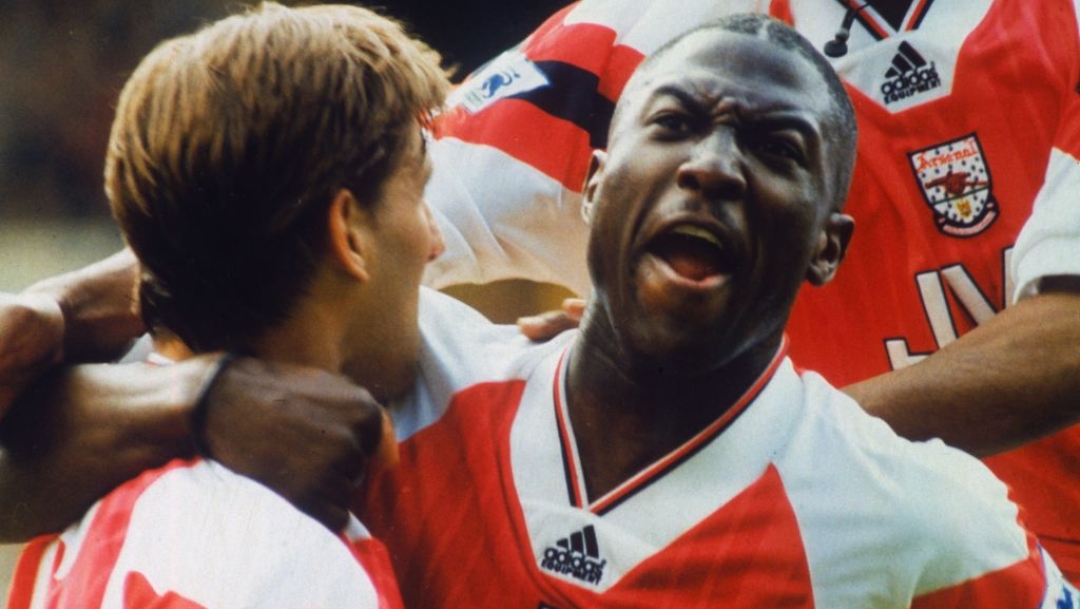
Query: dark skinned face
<point>715,200</point>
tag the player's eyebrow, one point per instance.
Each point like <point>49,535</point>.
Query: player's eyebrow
<point>777,115</point>
<point>680,93</point>
<point>785,119</point>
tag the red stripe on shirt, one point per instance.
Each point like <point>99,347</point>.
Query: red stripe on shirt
<point>588,46</point>
<point>374,558</point>
<point>528,134</point>
<point>571,465</point>
<point>749,553</point>
<point>1067,137</point>
<point>1021,584</point>
<point>872,24</point>
<point>917,15</point>
<point>27,570</point>
<point>554,146</point>
<point>139,594</point>
<point>85,585</point>
<point>781,11</point>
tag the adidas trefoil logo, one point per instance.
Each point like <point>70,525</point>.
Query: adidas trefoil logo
<point>909,74</point>
<point>577,556</point>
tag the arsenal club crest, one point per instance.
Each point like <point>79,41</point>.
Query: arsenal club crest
<point>955,182</point>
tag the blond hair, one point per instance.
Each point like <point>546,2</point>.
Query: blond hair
<point>229,144</point>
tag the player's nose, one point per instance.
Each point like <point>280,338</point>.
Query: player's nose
<point>714,167</point>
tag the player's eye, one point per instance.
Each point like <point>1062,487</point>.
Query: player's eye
<point>673,125</point>
<point>780,147</point>
<point>673,122</point>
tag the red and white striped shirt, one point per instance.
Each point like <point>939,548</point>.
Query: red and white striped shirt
<point>793,498</point>
<point>195,535</point>
<point>964,193</point>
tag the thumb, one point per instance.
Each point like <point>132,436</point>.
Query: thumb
<point>387,456</point>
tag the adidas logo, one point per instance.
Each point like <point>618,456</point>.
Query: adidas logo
<point>909,74</point>
<point>577,556</point>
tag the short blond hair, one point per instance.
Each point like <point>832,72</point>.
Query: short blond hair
<point>229,144</point>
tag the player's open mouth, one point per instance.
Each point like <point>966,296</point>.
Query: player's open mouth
<point>693,253</point>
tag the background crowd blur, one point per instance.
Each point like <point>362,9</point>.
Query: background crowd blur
<point>62,65</point>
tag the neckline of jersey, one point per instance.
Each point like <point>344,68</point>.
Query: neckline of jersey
<point>881,29</point>
<point>575,480</point>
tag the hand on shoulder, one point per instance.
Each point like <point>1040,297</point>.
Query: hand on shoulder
<point>31,341</point>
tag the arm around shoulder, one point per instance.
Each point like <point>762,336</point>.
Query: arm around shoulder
<point>80,431</point>
<point>84,315</point>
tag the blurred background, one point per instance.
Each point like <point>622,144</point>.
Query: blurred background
<point>62,65</point>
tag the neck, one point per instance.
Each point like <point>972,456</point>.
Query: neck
<point>309,337</point>
<point>341,331</point>
<point>383,346</point>
<point>295,340</point>
<point>652,413</point>
<point>386,369</point>
<point>345,338</point>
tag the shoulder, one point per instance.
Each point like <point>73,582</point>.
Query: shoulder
<point>222,540</point>
<point>920,516</point>
<point>461,345</point>
<point>462,349</point>
<point>926,486</point>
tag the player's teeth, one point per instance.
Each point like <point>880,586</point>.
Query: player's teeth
<point>693,231</point>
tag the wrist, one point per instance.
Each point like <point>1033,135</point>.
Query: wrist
<point>160,401</point>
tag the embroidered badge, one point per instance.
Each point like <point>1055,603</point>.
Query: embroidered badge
<point>507,75</point>
<point>956,184</point>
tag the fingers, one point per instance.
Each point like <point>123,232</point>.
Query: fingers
<point>31,341</point>
<point>367,421</point>
<point>308,435</point>
<point>545,326</point>
<point>31,332</point>
<point>387,456</point>
<point>574,308</point>
<point>331,513</point>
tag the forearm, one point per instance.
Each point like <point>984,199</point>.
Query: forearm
<point>85,315</point>
<point>79,432</point>
<point>98,304</point>
<point>1013,379</point>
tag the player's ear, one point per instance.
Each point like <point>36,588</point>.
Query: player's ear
<point>347,236</point>
<point>592,184</point>
<point>831,246</point>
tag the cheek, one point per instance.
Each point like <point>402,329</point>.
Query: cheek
<point>421,238</point>
<point>433,243</point>
<point>409,242</point>
<point>785,246</point>
<point>784,212</point>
